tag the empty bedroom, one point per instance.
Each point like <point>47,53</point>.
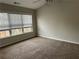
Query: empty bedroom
<point>39,29</point>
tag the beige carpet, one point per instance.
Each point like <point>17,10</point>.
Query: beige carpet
<point>40,48</point>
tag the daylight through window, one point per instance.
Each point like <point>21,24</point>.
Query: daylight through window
<point>14,24</point>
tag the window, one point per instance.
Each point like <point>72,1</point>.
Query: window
<point>4,34</point>
<point>16,31</point>
<point>4,24</point>
<point>26,30</point>
<point>14,24</point>
<point>27,23</point>
<point>27,20</point>
<point>15,21</point>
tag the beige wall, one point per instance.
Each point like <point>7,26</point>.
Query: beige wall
<point>59,21</point>
<point>14,9</point>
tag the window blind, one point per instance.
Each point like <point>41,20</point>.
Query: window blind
<point>27,20</point>
<point>15,20</point>
<point>4,22</point>
<point>8,21</point>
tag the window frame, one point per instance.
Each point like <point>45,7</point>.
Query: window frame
<point>19,27</point>
<point>29,26</point>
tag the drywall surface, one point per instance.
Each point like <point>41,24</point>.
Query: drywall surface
<point>59,21</point>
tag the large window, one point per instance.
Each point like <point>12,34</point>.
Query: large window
<point>14,24</point>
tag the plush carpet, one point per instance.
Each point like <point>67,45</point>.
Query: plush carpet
<point>40,48</point>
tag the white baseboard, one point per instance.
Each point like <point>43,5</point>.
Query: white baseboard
<point>59,39</point>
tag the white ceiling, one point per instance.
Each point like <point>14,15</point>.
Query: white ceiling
<point>33,4</point>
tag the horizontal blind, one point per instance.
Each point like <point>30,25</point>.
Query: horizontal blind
<point>15,20</point>
<point>4,22</point>
<point>27,20</point>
